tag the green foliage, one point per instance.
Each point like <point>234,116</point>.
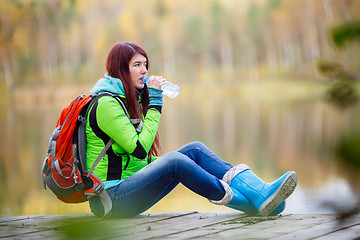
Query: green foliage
<point>160,8</point>
<point>346,33</point>
<point>333,70</point>
<point>342,93</point>
<point>348,150</point>
<point>220,17</point>
<point>273,4</point>
<point>259,19</point>
<point>254,19</point>
<point>88,227</point>
<point>194,30</point>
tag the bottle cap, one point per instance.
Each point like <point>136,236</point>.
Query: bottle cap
<point>145,79</point>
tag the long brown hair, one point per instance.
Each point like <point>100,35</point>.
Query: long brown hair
<point>117,66</point>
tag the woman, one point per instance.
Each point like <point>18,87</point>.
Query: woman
<point>134,176</point>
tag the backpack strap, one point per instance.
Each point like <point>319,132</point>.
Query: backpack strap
<point>101,155</point>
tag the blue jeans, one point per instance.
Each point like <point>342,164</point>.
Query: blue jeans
<point>193,165</point>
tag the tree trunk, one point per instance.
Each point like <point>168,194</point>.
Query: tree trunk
<point>9,76</point>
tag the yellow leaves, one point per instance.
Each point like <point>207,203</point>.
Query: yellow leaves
<point>20,37</point>
<point>128,25</point>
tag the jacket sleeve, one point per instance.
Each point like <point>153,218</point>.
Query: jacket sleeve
<point>113,121</point>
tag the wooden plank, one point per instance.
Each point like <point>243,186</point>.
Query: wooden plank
<point>208,226</point>
<point>16,218</point>
<point>70,224</point>
<point>12,226</point>
<point>213,229</point>
<point>322,229</point>
<point>179,225</point>
<point>352,232</point>
<point>233,229</point>
<point>175,226</point>
<point>272,229</point>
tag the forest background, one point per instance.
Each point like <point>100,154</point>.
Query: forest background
<point>51,43</point>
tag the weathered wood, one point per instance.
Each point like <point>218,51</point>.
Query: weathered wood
<point>185,224</point>
<point>180,225</point>
<point>320,229</point>
<point>346,233</point>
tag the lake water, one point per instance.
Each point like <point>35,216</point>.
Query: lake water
<point>271,137</point>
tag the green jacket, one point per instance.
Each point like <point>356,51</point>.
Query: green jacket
<point>112,122</point>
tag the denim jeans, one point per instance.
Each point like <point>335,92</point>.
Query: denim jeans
<point>193,165</point>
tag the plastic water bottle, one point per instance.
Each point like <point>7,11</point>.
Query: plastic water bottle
<point>169,89</point>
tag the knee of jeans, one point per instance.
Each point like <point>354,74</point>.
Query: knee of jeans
<point>176,158</point>
<point>197,144</point>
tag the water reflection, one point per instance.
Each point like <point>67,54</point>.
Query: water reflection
<point>269,137</point>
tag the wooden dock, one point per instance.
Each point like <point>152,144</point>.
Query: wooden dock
<point>180,225</point>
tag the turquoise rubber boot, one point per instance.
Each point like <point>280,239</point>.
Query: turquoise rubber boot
<point>236,200</point>
<point>266,197</point>
<point>241,203</point>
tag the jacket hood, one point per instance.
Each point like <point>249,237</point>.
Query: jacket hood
<point>108,84</point>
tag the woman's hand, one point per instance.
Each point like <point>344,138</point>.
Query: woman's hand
<point>156,81</point>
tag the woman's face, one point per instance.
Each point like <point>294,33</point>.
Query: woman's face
<point>138,69</point>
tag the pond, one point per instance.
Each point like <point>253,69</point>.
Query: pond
<point>269,135</point>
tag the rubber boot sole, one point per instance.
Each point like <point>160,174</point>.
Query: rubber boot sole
<point>286,188</point>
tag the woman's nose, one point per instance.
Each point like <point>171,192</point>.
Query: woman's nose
<point>144,70</point>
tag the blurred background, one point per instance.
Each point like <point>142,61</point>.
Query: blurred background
<point>269,83</point>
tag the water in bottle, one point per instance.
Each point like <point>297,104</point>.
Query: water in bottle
<point>169,89</point>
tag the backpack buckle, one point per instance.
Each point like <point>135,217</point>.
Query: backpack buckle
<point>98,187</point>
<point>76,178</point>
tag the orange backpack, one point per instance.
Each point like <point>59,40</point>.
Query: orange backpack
<point>64,169</point>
